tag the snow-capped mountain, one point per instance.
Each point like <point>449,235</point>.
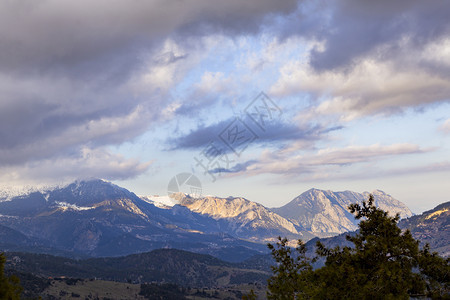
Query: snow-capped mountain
<point>320,211</point>
<point>98,218</point>
<point>244,219</point>
<point>8,192</point>
<point>165,202</point>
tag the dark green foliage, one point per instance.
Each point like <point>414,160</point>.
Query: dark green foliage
<point>250,296</point>
<point>436,271</point>
<point>9,286</point>
<point>32,285</point>
<point>383,263</point>
<point>291,274</point>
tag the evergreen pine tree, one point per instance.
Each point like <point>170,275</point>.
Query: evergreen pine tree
<point>384,263</point>
<point>292,272</point>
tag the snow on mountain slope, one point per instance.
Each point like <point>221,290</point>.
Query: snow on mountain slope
<point>165,202</point>
<point>99,218</point>
<point>65,205</point>
<point>322,211</point>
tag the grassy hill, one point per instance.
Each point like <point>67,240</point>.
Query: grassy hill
<point>164,265</point>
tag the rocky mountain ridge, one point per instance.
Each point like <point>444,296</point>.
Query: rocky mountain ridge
<point>319,211</point>
<point>244,218</point>
<point>432,227</point>
<point>98,218</point>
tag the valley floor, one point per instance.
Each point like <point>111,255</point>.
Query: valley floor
<point>67,288</point>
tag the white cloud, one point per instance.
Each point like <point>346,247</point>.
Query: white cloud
<point>87,163</point>
<point>328,162</point>
<point>370,87</point>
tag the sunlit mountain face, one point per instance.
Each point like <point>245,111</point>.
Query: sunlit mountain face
<point>98,218</point>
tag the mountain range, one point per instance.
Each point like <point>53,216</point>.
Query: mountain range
<point>432,227</point>
<point>92,214</point>
<point>315,213</point>
<point>97,218</point>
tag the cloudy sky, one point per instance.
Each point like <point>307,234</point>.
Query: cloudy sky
<point>259,98</point>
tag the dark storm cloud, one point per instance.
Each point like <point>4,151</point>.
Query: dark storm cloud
<point>351,29</point>
<point>274,133</point>
<point>365,27</point>
<point>238,168</point>
<point>68,70</point>
<point>371,57</point>
<point>68,34</point>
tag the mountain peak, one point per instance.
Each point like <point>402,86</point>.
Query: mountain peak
<point>379,192</point>
<point>325,211</point>
<point>314,190</point>
<point>243,217</point>
<point>81,183</point>
<point>88,192</point>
